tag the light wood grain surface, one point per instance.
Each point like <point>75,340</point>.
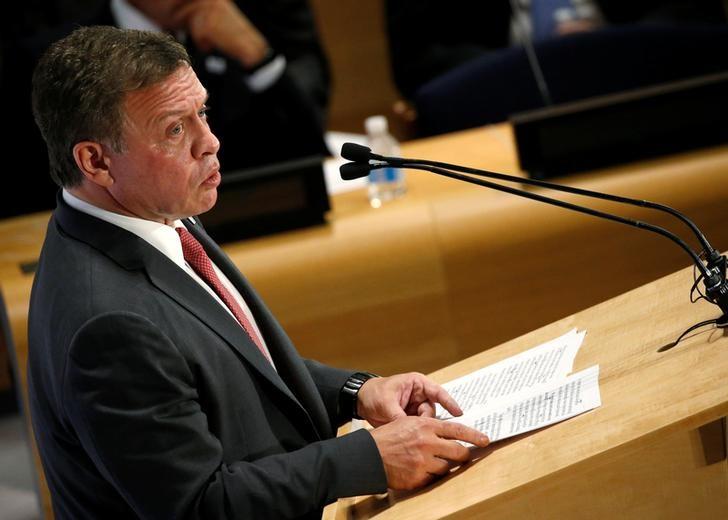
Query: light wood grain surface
<point>636,456</point>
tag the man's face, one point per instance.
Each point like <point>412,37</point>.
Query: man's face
<point>168,168</point>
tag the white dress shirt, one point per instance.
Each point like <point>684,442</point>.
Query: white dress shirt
<point>166,240</point>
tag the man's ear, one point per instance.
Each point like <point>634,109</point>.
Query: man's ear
<point>93,161</point>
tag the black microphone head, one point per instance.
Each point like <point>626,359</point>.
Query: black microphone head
<point>355,152</point>
<point>354,170</point>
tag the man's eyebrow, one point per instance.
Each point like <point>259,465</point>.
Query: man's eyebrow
<point>174,113</point>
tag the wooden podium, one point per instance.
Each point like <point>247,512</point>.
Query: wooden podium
<point>656,448</point>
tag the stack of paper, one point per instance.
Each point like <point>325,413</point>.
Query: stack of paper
<point>527,391</point>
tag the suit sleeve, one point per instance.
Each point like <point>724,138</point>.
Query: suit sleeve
<point>290,28</point>
<point>131,397</point>
<point>329,382</point>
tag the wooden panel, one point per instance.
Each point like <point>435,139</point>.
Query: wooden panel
<point>640,443</point>
<point>528,264</point>
<point>6,383</point>
<point>666,480</point>
<point>339,304</point>
<point>20,238</point>
<point>353,35</point>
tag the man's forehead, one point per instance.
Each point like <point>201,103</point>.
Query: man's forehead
<point>179,91</point>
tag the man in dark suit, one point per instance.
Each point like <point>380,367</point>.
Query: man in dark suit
<point>160,385</point>
<point>260,60</point>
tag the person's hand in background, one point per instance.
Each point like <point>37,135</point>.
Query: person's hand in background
<point>221,25</point>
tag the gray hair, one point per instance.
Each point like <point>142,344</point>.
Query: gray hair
<point>80,84</point>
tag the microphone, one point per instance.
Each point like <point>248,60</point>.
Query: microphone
<point>358,153</point>
<point>713,272</point>
<point>354,170</point>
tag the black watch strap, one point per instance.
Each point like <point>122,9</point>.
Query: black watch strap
<point>349,395</point>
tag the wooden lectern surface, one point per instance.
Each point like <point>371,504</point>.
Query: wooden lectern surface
<point>636,456</point>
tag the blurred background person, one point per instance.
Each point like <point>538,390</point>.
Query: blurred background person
<point>465,64</point>
<point>261,61</point>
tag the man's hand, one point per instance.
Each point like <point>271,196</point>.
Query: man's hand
<point>415,450</point>
<point>219,24</point>
<point>384,399</point>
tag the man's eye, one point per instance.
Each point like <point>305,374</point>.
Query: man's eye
<point>203,112</point>
<point>176,130</point>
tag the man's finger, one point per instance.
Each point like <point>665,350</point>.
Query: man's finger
<point>438,394</point>
<point>453,451</point>
<point>391,413</point>
<point>426,409</point>
<point>460,432</point>
<point>438,466</point>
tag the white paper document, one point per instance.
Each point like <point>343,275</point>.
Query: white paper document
<point>574,395</point>
<point>518,376</point>
<point>527,391</point>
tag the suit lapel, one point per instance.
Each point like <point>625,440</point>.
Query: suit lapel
<point>174,282</point>
<point>185,291</point>
<point>289,364</point>
<point>133,253</point>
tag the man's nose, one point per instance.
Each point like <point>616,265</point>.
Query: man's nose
<point>206,143</point>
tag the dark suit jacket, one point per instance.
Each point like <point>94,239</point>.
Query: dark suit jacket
<point>148,400</point>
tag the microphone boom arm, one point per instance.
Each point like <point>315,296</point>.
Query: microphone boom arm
<point>420,165</point>
<point>713,256</point>
<point>713,271</point>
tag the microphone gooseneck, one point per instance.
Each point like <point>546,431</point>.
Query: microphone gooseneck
<point>359,153</point>
<point>713,271</point>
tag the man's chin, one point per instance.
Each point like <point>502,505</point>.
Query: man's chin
<point>209,203</point>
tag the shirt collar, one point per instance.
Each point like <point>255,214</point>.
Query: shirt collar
<point>161,236</point>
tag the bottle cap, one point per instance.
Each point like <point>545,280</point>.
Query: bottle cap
<point>376,125</point>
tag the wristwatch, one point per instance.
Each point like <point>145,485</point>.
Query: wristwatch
<point>349,395</point>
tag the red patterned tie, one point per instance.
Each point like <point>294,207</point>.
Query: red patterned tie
<point>200,262</point>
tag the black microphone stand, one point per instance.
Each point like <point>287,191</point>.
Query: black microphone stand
<point>362,155</point>
<point>713,272</point>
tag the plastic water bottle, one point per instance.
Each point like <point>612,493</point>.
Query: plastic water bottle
<point>385,184</point>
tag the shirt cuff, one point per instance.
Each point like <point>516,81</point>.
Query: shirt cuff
<point>263,77</point>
